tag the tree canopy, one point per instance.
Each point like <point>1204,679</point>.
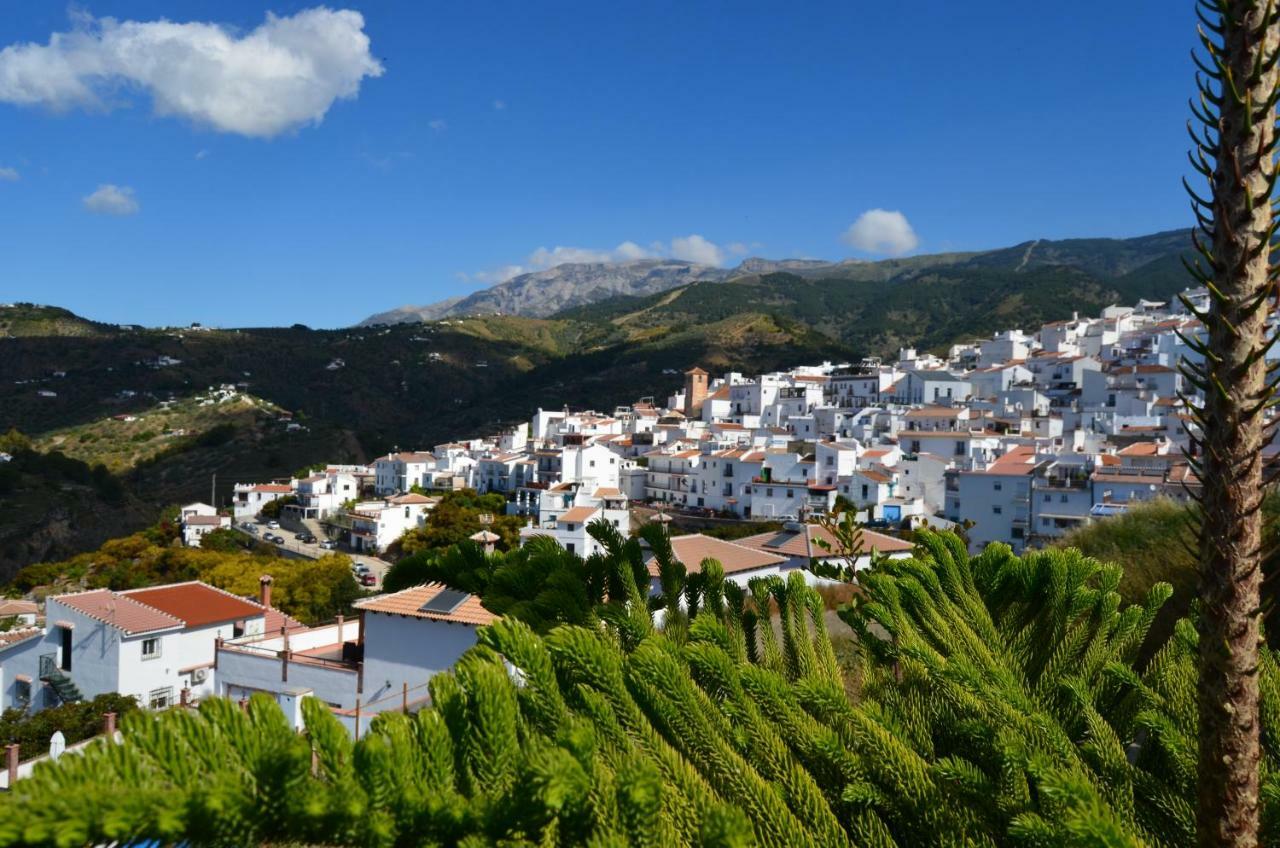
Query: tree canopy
<point>994,701</point>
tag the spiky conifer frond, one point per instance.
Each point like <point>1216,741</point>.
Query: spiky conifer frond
<point>1000,706</point>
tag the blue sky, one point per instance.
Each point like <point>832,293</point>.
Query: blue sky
<point>140,185</point>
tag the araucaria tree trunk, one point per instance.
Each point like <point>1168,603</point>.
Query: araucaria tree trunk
<point>1234,149</point>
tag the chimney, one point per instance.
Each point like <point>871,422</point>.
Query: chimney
<point>264,590</point>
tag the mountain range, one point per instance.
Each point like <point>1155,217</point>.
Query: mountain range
<point>72,384</point>
<point>540,294</point>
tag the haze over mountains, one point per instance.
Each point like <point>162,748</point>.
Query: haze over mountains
<point>544,293</point>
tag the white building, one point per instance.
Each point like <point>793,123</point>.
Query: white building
<point>156,645</point>
<point>248,499</point>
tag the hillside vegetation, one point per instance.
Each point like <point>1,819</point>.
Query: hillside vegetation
<point>125,441</point>
<point>356,393</point>
<point>311,591</point>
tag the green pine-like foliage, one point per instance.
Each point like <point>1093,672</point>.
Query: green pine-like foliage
<point>993,701</point>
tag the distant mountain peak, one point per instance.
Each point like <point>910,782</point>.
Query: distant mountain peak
<point>540,294</point>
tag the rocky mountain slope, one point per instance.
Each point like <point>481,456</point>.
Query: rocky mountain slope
<point>542,293</point>
<point>568,286</point>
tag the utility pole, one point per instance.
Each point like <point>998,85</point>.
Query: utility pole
<point>213,491</point>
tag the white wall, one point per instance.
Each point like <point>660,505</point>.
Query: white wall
<point>404,649</point>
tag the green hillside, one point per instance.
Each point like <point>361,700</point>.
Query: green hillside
<point>28,319</point>
<point>355,393</point>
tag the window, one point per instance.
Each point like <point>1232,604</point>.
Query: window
<point>1062,498</point>
<point>959,448</point>
<point>997,486</point>
<point>790,493</point>
<point>569,547</point>
<point>66,648</point>
<point>22,692</point>
<point>768,493</point>
<point>998,510</point>
<point>1047,497</point>
<point>160,699</point>
<point>1015,532</point>
<point>864,491</point>
<point>1044,522</point>
<point>592,463</point>
<point>150,648</point>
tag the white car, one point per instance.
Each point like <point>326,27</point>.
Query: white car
<point>274,525</point>
<point>329,545</point>
<point>359,568</point>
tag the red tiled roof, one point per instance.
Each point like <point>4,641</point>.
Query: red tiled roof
<point>411,498</point>
<point>1019,460</point>
<point>578,515</point>
<point>273,619</point>
<point>410,602</point>
<point>792,543</point>
<point>16,607</point>
<point>277,488</point>
<point>118,611</point>
<point>15,637</point>
<point>692,550</point>
<point>197,604</point>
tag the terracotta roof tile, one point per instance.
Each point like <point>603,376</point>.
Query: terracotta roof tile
<point>578,515</point>
<point>197,604</point>
<point>16,637</point>
<point>692,550</point>
<point>792,543</point>
<point>15,607</point>
<point>118,611</point>
<point>410,602</point>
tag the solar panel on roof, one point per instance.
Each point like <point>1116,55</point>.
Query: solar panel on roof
<point>445,602</point>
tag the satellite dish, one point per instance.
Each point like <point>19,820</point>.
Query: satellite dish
<point>57,744</point>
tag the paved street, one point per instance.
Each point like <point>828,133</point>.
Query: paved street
<point>293,547</point>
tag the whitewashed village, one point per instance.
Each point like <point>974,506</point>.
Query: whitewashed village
<point>1016,439</point>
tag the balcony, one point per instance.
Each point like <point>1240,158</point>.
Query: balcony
<point>1068,481</point>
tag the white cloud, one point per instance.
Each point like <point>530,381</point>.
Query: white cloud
<point>439,124</point>
<point>9,175</point>
<point>202,154</point>
<point>882,231</point>
<point>499,105</point>
<point>282,75</point>
<point>692,248</point>
<point>695,248</point>
<point>112,200</point>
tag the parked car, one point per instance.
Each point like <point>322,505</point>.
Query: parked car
<point>368,580</point>
<point>274,525</point>
<point>329,545</point>
<point>359,568</point>
<point>249,528</point>
<point>279,540</point>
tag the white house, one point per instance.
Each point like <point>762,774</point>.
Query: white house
<point>197,520</point>
<point>569,528</point>
<point>375,525</point>
<point>998,500</point>
<point>248,499</point>
<point>156,645</point>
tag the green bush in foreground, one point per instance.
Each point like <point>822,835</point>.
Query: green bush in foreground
<point>999,705</point>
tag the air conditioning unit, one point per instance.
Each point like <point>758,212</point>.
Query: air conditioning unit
<point>199,675</point>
